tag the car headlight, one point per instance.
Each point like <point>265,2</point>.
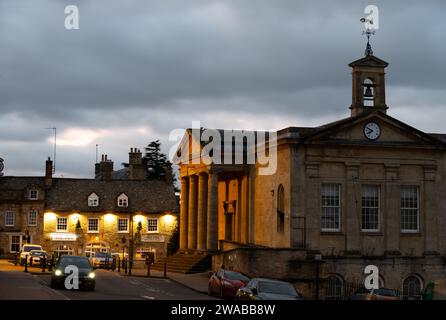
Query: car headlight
<point>91,275</point>
<point>58,273</point>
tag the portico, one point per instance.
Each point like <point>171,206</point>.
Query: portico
<point>212,206</point>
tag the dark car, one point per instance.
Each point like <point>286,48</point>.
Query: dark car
<point>268,289</point>
<point>86,272</point>
<point>226,283</point>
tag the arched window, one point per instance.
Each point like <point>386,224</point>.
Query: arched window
<point>280,209</point>
<point>334,289</point>
<point>123,200</point>
<point>93,200</point>
<point>368,93</point>
<point>412,287</point>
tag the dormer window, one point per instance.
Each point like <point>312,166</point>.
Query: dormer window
<point>33,194</point>
<point>93,200</point>
<point>123,200</point>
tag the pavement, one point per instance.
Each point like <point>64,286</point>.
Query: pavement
<point>35,284</point>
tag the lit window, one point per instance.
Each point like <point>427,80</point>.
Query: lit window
<point>62,224</point>
<point>331,207</point>
<point>370,208</point>
<point>123,225</point>
<point>152,225</point>
<point>33,194</point>
<point>409,209</point>
<point>123,200</point>
<point>93,200</point>
<point>93,225</point>
<point>32,218</point>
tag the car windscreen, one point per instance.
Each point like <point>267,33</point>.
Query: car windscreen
<point>38,253</point>
<point>29,248</point>
<point>102,255</point>
<point>230,275</point>
<point>277,288</point>
<point>78,262</point>
<point>385,292</point>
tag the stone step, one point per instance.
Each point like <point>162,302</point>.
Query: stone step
<point>185,263</point>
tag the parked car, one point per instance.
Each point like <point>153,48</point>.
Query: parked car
<point>225,283</point>
<point>35,256</point>
<point>268,289</point>
<point>86,272</point>
<point>26,250</point>
<point>375,294</point>
<point>102,260</point>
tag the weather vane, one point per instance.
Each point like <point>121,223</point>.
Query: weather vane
<point>371,24</point>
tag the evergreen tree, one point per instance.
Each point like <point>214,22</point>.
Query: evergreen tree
<point>155,160</point>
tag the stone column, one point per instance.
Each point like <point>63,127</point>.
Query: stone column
<point>202,211</point>
<point>212,211</point>
<point>192,222</point>
<point>184,212</point>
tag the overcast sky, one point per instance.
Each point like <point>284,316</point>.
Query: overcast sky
<point>137,69</point>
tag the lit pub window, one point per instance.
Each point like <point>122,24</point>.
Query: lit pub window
<point>152,225</point>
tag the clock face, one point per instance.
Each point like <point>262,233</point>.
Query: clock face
<point>372,131</point>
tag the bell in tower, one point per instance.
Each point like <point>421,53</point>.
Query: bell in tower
<point>368,82</point>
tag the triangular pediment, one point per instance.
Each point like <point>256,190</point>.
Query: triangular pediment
<point>369,61</point>
<point>373,128</point>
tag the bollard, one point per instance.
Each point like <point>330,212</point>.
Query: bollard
<point>15,258</point>
<point>26,264</point>
<point>130,267</point>
<point>43,263</point>
<point>165,269</point>
<point>30,260</point>
<point>148,269</point>
<point>114,264</point>
<point>119,264</point>
<point>125,265</point>
<point>50,265</point>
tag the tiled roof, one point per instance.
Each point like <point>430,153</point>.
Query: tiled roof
<point>144,195</point>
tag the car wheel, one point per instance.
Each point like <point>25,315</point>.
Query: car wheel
<point>209,290</point>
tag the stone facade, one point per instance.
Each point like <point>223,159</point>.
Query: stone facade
<point>145,211</point>
<point>344,193</point>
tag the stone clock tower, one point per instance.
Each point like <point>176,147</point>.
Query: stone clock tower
<point>368,84</point>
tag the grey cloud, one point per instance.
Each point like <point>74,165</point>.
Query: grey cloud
<point>162,64</point>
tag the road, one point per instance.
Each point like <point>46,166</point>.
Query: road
<point>109,286</point>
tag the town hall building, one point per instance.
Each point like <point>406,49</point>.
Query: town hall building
<point>364,190</point>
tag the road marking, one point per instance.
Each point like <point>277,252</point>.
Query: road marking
<point>147,297</point>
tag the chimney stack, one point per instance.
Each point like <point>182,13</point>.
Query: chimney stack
<point>104,169</point>
<point>49,172</point>
<point>137,170</point>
